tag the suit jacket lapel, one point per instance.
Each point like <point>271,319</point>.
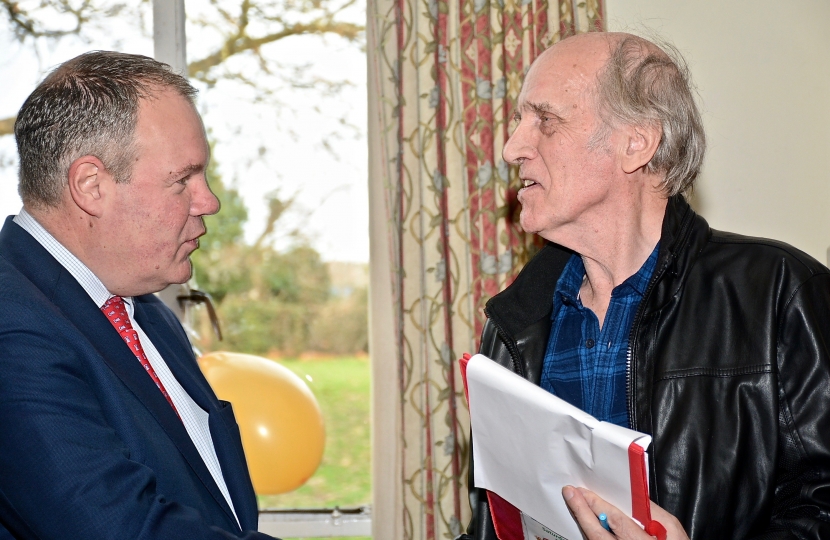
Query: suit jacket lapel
<point>130,371</point>
<point>32,260</point>
<point>175,346</point>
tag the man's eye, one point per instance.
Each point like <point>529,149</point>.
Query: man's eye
<point>515,121</point>
<point>546,125</point>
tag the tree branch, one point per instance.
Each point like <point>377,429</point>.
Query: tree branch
<point>241,43</point>
<point>25,25</point>
<point>276,20</point>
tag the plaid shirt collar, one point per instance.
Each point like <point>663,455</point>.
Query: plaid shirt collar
<point>567,288</point>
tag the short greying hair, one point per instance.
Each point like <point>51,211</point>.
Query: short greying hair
<point>645,84</point>
<point>86,106</point>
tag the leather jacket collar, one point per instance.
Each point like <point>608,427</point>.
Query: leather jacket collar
<point>527,302</point>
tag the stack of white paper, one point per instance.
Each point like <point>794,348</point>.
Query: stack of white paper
<point>528,444</point>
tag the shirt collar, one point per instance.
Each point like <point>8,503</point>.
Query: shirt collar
<point>567,288</point>
<point>639,281</point>
<point>83,275</point>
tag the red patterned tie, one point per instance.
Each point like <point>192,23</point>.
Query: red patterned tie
<point>117,314</point>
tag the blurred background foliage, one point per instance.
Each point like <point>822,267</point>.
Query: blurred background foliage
<point>290,305</point>
<point>275,302</point>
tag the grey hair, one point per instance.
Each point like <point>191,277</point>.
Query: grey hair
<point>645,84</point>
<point>86,106</point>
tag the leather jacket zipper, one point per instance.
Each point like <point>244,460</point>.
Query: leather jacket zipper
<point>628,376</point>
<point>630,364</point>
<point>629,357</point>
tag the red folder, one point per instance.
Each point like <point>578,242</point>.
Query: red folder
<point>507,519</point>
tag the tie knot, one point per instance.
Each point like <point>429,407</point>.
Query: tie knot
<point>115,302</point>
<point>116,312</point>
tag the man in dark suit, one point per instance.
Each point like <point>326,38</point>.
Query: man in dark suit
<point>107,427</point>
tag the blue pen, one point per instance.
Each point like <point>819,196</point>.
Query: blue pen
<point>603,520</point>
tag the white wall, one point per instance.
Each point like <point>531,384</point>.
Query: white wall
<point>762,68</point>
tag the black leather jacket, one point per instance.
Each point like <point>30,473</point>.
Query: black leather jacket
<point>729,373</point>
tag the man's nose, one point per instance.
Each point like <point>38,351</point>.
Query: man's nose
<point>520,145</point>
<point>204,202</point>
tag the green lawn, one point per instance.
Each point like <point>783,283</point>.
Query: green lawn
<point>341,385</point>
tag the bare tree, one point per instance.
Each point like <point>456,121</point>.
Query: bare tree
<point>67,17</point>
<point>240,29</point>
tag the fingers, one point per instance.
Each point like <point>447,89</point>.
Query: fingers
<point>587,505</point>
<point>584,514</point>
<point>622,525</point>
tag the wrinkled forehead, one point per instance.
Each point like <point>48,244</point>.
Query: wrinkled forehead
<point>567,72</point>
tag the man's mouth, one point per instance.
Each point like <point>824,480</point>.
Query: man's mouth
<point>192,245</point>
<point>527,182</point>
<point>194,242</point>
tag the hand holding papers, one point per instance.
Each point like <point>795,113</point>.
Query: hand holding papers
<point>528,444</point>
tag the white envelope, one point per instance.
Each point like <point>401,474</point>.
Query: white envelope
<point>528,444</point>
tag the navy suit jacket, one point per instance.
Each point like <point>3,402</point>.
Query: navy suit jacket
<point>89,448</point>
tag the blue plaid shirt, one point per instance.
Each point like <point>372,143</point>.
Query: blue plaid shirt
<point>584,365</point>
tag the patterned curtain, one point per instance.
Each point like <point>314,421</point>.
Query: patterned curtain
<point>444,77</point>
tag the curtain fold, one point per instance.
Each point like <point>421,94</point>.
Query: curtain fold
<point>444,77</point>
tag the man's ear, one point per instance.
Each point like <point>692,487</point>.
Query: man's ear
<point>641,143</point>
<point>88,184</point>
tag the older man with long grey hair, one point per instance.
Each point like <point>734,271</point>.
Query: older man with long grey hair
<point>637,312</point>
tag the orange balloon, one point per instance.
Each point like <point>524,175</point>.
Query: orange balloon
<point>279,418</point>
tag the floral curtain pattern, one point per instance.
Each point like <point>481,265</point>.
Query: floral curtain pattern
<point>445,76</point>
